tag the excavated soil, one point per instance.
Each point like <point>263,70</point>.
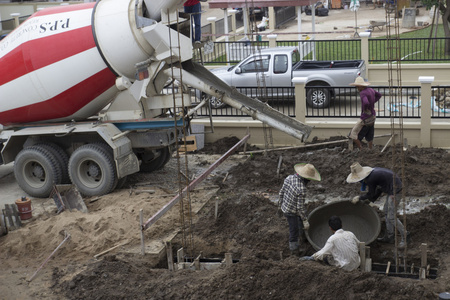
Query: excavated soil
<point>246,225</point>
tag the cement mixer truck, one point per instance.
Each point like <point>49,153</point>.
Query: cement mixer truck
<point>83,94</point>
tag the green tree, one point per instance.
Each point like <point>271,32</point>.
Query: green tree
<point>443,7</point>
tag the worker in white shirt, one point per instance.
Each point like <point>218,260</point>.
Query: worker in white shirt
<point>341,248</point>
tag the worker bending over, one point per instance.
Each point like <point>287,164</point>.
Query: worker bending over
<point>378,181</point>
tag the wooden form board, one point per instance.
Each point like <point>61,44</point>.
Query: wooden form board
<point>191,144</point>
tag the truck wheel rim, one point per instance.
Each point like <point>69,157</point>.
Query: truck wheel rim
<point>318,98</point>
<point>34,174</point>
<point>90,173</point>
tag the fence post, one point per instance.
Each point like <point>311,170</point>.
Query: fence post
<point>212,20</point>
<point>16,19</point>
<point>271,18</point>
<point>272,40</point>
<point>365,49</point>
<point>300,98</point>
<point>233,12</point>
<point>425,110</point>
<point>299,24</point>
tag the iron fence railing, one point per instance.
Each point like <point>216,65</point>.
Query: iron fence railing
<point>440,102</point>
<point>346,102</point>
<point>412,50</point>
<point>8,25</point>
<point>237,51</point>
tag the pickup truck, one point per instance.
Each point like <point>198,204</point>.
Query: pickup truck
<point>274,68</point>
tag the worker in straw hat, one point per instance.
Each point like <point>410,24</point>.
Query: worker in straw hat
<point>292,202</point>
<point>378,181</point>
<point>365,127</point>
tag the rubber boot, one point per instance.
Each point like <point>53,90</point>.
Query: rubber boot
<point>402,242</point>
<point>295,252</point>
<point>293,246</point>
<point>386,239</point>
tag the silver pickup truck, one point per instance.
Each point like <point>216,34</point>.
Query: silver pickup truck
<point>274,68</point>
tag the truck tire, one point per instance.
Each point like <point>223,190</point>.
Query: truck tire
<point>61,157</point>
<point>161,159</point>
<point>109,150</point>
<point>121,182</point>
<point>318,97</point>
<point>37,170</point>
<point>92,170</point>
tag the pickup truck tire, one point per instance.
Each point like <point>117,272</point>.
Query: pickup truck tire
<point>92,170</point>
<point>37,170</point>
<point>318,98</point>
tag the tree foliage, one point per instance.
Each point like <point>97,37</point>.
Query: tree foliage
<point>443,10</point>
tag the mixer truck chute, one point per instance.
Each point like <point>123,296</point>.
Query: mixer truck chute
<point>72,103</point>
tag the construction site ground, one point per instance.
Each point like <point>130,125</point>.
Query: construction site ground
<point>245,188</point>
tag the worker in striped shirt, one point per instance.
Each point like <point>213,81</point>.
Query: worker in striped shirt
<point>292,202</point>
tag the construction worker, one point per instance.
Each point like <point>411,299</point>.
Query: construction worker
<point>292,202</point>
<point>365,127</point>
<point>378,181</point>
<point>341,248</point>
<point>194,7</point>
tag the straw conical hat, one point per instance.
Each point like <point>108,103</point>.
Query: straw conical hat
<point>358,173</point>
<point>307,171</point>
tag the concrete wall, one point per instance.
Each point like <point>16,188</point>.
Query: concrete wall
<point>324,129</point>
<point>423,132</point>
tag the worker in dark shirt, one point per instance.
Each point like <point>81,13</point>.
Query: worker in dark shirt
<point>378,181</point>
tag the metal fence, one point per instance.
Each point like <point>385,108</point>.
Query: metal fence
<point>411,50</point>
<point>237,51</point>
<point>440,102</point>
<point>9,25</point>
<point>284,15</point>
<point>346,102</point>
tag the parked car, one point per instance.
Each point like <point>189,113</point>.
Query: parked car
<point>256,12</point>
<point>277,66</point>
<point>320,10</point>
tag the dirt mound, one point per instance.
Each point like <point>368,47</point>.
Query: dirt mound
<point>249,227</point>
<point>246,225</point>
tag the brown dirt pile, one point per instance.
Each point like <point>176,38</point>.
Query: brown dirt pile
<point>246,226</point>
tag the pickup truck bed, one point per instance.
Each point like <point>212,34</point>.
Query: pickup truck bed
<point>307,65</point>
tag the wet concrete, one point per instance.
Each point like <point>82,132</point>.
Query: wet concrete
<point>361,219</point>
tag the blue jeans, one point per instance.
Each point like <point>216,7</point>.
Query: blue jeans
<point>295,230</point>
<point>391,217</point>
<point>196,19</point>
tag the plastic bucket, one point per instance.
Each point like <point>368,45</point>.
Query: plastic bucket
<point>359,218</point>
<point>24,207</point>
